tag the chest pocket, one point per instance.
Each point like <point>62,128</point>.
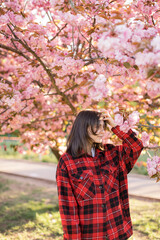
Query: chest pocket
<point>110,177</point>
<point>83,185</point>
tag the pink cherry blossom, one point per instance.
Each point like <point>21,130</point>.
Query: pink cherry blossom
<point>95,94</point>
<point>153,165</point>
<point>100,81</point>
<point>155,43</point>
<point>59,57</point>
<point>123,32</point>
<point>116,110</point>
<point>158,167</point>
<point>156,159</point>
<point>145,139</point>
<point>118,119</point>
<point>125,127</point>
<point>133,118</point>
<point>106,44</point>
<point>151,171</point>
<point>148,58</point>
<point>153,88</point>
<point>4,19</point>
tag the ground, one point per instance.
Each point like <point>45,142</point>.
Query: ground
<point>29,211</point>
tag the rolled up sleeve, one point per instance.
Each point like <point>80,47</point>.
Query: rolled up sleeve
<point>130,149</point>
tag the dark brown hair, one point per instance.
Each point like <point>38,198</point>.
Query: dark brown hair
<point>79,138</point>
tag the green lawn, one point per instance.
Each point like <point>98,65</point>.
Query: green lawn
<point>30,212</point>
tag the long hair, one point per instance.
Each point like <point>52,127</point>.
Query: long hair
<point>79,138</point>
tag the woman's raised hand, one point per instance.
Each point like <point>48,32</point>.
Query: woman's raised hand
<point>107,117</point>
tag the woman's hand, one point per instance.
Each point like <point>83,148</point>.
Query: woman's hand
<point>107,117</point>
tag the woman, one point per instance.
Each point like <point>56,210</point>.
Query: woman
<point>92,180</point>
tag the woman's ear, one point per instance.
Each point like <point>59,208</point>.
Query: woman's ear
<point>89,130</point>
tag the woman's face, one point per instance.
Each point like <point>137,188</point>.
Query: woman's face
<point>99,134</point>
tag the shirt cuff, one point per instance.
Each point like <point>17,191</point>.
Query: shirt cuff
<point>120,134</point>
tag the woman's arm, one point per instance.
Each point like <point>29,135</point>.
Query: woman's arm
<point>130,149</point>
<point>67,205</point>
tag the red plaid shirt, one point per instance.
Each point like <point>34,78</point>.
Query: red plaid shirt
<point>93,191</point>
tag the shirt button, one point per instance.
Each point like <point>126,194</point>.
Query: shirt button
<point>100,186</point>
<point>103,206</point>
<point>81,178</point>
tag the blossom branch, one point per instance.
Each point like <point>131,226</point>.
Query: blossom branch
<point>14,50</point>
<point>155,147</point>
<point>73,37</point>
<point>50,118</point>
<point>153,20</point>
<point>88,41</point>
<point>47,70</point>
<point>71,88</point>
<point>148,126</point>
<point>5,111</point>
<point>58,32</point>
<point>77,46</point>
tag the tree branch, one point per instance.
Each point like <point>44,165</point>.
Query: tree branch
<point>73,37</point>
<point>14,50</point>
<point>50,118</point>
<point>88,42</point>
<point>58,32</point>
<point>92,60</point>
<point>153,20</point>
<point>71,88</point>
<point>5,111</point>
<point>47,70</point>
<point>149,126</point>
<point>158,147</point>
<point>52,19</point>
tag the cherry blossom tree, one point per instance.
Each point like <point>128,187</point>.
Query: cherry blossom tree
<point>59,57</point>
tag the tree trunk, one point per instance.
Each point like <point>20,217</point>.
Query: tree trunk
<point>56,153</point>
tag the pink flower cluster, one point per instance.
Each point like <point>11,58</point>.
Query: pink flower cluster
<point>132,120</point>
<point>153,167</point>
<point>153,89</point>
<point>145,139</point>
<point>99,90</point>
<point>125,125</point>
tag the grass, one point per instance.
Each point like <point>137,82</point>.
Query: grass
<point>30,212</point>
<point>146,219</point>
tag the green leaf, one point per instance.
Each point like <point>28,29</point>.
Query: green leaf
<point>136,67</point>
<point>157,75</point>
<point>150,72</point>
<point>136,84</point>
<point>101,104</point>
<point>132,103</point>
<point>144,116</point>
<point>153,176</point>
<point>158,179</point>
<point>127,64</point>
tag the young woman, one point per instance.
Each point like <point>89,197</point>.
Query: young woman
<point>92,180</point>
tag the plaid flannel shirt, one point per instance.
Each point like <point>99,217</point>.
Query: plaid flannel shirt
<point>93,191</point>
